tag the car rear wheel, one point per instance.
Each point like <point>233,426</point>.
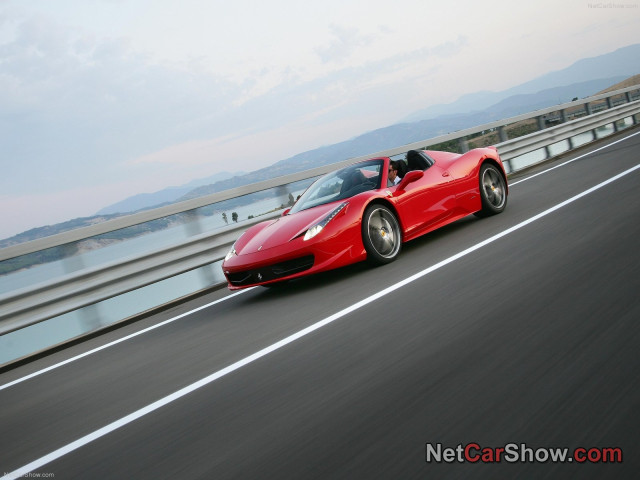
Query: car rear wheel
<point>381,234</point>
<point>493,191</point>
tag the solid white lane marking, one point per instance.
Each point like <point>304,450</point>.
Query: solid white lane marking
<point>120,340</point>
<point>60,364</point>
<point>290,339</point>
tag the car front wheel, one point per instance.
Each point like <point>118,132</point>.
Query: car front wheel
<point>381,234</point>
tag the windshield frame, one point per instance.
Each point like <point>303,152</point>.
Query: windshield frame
<point>309,198</point>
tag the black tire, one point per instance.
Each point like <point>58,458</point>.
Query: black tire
<point>381,234</point>
<point>493,191</point>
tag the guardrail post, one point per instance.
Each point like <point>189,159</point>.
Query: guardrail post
<point>610,105</point>
<point>72,262</point>
<point>627,96</point>
<point>594,134</point>
<point>463,144</point>
<point>193,227</point>
<point>507,166</point>
<point>564,119</point>
<point>192,223</point>
<point>502,134</point>
<point>542,126</point>
<point>563,116</point>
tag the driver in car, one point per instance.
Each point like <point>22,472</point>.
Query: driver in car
<point>393,178</point>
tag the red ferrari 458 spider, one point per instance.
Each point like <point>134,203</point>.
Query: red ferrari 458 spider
<point>352,214</point>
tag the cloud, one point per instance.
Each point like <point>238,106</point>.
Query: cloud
<point>78,108</point>
<point>71,104</point>
<point>344,43</point>
<point>448,49</point>
<point>358,93</point>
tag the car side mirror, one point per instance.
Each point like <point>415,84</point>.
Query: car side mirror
<point>285,212</point>
<point>410,177</point>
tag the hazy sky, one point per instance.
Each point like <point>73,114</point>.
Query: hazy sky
<point>100,100</point>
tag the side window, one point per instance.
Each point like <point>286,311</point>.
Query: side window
<point>372,174</point>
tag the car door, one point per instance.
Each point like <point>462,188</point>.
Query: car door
<point>426,203</point>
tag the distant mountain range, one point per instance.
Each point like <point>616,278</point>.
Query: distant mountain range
<point>584,78</point>
<point>623,62</point>
<point>167,195</point>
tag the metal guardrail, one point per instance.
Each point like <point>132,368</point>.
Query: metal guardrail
<point>542,139</point>
<point>32,305</point>
<point>37,303</point>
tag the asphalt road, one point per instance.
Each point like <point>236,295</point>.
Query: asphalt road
<point>532,338</point>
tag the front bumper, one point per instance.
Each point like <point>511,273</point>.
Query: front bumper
<point>267,273</point>
<point>292,260</point>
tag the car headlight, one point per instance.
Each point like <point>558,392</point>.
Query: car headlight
<point>232,253</point>
<point>317,228</point>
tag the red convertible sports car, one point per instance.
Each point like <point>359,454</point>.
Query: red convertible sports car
<point>352,214</point>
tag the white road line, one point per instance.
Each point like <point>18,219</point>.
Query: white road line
<point>574,159</point>
<point>120,340</point>
<point>52,367</point>
<point>290,339</point>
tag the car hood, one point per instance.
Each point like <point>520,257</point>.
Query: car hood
<point>281,230</point>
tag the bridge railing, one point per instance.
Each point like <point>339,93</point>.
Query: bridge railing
<point>195,234</point>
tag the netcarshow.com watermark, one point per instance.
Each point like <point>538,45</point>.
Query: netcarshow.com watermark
<point>32,475</point>
<point>613,5</point>
<point>519,453</point>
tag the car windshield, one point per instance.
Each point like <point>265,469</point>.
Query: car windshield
<point>341,184</point>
